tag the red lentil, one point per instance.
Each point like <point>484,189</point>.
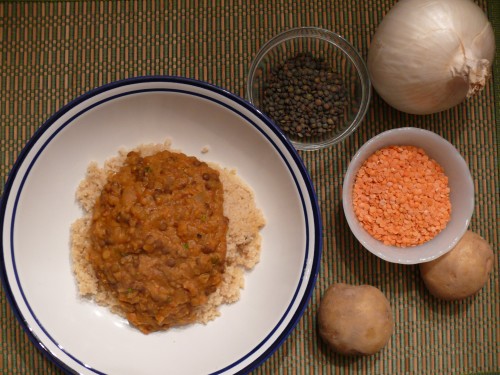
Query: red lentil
<point>401,196</point>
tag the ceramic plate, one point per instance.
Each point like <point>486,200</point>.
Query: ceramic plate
<point>38,207</point>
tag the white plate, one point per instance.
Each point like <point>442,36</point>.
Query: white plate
<point>39,205</point>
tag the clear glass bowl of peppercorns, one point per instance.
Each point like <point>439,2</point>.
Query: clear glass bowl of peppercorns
<point>313,84</point>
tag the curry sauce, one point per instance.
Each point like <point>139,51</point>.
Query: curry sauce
<point>158,238</point>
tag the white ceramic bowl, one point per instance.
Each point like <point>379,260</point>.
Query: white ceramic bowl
<point>461,195</point>
<point>38,207</point>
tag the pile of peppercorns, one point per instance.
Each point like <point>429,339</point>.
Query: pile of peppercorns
<point>305,97</point>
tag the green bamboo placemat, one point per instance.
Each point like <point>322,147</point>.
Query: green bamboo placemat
<point>494,15</point>
<point>52,52</point>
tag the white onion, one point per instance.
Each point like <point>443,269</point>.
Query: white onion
<point>430,55</point>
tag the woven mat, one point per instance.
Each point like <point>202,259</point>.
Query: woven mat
<point>52,52</point>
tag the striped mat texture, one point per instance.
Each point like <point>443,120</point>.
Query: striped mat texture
<point>53,51</point>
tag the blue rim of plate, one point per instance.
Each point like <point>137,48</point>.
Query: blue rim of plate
<point>316,216</point>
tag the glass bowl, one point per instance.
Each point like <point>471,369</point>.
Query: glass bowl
<point>313,84</point>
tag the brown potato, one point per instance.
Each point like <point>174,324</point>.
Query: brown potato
<point>355,320</point>
<point>461,272</point>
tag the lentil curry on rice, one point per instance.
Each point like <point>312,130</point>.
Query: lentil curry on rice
<point>156,245</point>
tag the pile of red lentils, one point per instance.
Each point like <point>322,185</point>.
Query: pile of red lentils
<point>401,196</point>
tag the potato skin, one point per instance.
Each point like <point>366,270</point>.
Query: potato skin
<point>461,272</point>
<point>355,320</point>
